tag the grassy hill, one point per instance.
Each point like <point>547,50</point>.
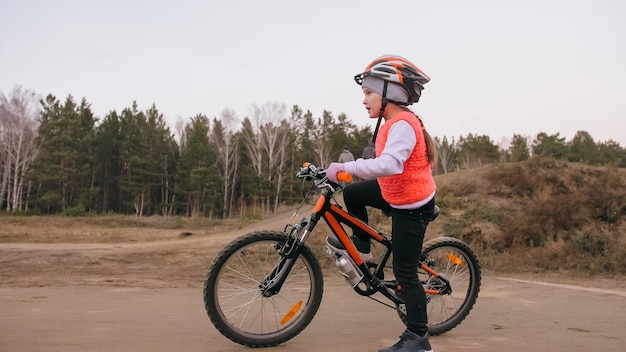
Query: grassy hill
<point>541,214</point>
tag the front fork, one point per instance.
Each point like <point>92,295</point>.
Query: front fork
<point>273,282</point>
<point>289,252</point>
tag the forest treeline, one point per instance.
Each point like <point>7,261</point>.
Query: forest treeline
<point>56,157</point>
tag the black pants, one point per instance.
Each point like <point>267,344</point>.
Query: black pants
<point>407,229</point>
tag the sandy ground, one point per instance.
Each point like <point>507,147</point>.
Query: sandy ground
<point>148,297</point>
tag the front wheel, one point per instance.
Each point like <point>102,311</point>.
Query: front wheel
<point>239,307</point>
<point>457,265</point>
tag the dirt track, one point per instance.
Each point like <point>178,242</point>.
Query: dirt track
<point>148,297</point>
<point>510,315</point>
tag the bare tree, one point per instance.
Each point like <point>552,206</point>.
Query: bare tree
<point>267,149</point>
<point>18,147</point>
<point>323,146</point>
<point>180,131</point>
<point>227,157</point>
<point>445,150</point>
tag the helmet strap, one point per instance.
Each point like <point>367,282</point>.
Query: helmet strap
<point>382,111</point>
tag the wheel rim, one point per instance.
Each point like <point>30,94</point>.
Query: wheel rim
<point>240,300</point>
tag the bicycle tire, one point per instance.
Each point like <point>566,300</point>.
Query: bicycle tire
<point>457,263</point>
<point>233,299</point>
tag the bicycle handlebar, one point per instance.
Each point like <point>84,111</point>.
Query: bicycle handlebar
<point>344,176</point>
<point>309,170</point>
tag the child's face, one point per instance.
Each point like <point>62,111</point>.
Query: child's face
<point>373,102</point>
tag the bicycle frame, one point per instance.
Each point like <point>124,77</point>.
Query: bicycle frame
<point>334,216</point>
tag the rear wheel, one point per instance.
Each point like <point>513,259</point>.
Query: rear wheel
<point>237,304</point>
<point>456,263</point>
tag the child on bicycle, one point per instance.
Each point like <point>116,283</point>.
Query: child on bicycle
<point>398,181</point>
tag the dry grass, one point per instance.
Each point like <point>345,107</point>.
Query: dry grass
<point>107,229</point>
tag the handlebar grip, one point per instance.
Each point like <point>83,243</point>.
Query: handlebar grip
<point>344,176</point>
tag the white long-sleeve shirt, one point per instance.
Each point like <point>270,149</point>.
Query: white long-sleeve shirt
<point>400,144</point>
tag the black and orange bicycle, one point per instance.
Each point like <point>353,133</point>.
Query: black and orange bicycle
<point>265,287</point>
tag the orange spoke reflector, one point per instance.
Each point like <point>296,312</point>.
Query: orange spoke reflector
<point>291,313</point>
<point>456,260</point>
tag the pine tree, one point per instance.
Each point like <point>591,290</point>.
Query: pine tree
<point>475,150</point>
<point>134,184</point>
<point>108,169</point>
<point>583,148</point>
<point>161,153</point>
<point>549,145</point>
<point>63,170</point>
<point>611,152</point>
<point>194,173</point>
<point>519,150</point>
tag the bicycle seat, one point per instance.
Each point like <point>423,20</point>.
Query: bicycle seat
<point>435,212</point>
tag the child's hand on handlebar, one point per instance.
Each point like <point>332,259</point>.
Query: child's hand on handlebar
<point>332,171</point>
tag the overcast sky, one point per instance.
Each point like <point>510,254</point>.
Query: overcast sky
<point>496,67</point>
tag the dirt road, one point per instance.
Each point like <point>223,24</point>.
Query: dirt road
<point>77,297</point>
<point>511,315</point>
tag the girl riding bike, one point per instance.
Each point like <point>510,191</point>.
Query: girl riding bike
<point>399,181</point>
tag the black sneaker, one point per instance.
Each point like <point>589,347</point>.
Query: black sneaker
<point>362,246</point>
<point>410,342</point>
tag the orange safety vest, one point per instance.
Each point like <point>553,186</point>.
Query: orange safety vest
<point>416,182</point>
